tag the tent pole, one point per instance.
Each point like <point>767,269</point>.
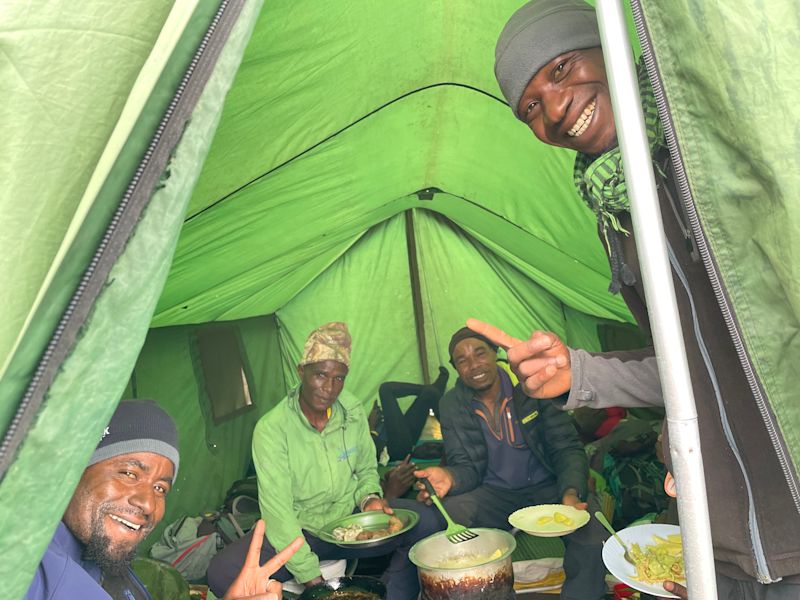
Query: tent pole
<point>416,296</point>
<point>651,247</point>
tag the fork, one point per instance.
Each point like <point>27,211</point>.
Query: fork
<point>602,518</point>
<point>455,533</point>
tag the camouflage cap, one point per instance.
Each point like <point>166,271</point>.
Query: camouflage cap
<point>329,342</point>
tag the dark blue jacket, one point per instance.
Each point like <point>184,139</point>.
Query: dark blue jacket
<point>64,575</point>
<point>548,431</point>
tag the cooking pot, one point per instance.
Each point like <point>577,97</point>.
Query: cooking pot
<point>344,588</point>
<point>478,569</point>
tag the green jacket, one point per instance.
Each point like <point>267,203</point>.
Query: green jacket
<point>308,478</point>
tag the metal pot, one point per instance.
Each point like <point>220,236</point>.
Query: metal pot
<point>469,570</point>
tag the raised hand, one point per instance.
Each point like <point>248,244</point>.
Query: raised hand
<point>570,498</point>
<point>399,479</point>
<point>541,362</point>
<point>439,477</point>
<point>253,581</point>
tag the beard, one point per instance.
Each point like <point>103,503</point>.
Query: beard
<point>100,549</point>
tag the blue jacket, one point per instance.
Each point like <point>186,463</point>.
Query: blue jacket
<point>63,575</point>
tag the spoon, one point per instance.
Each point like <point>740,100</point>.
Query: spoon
<point>604,522</point>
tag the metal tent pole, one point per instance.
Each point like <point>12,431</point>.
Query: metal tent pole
<point>652,250</point>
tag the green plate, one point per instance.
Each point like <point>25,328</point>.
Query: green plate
<point>370,520</point>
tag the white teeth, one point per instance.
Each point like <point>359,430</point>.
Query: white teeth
<point>133,526</point>
<point>582,124</point>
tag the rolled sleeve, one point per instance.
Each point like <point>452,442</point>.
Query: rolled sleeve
<point>627,379</point>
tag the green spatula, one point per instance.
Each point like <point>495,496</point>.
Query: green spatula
<point>455,533</point>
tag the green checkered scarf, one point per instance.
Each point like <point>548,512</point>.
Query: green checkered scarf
<point>600,181</point>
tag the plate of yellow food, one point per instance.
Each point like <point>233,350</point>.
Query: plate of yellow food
<point>549,520</point>
<point>657,553</point>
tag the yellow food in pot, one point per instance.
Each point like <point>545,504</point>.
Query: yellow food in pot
<point>464,561</point>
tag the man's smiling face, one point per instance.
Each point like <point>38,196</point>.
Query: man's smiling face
<point>476,364</point>
<point>117,503</point>
<point>567,103</point>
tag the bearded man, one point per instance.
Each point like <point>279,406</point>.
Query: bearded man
<point>119,500</point>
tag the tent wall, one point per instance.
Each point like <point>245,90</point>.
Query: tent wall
<point>170,371</point>
<point>730,78</point>
<point>91,379</point>
<point>46,113</point>
<point>320,140</point>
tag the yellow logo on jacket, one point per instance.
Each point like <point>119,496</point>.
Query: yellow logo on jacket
<point>528,418</point>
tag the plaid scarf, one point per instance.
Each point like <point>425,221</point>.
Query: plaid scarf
<point>600,181</point>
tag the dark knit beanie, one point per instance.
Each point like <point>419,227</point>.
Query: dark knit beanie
<point>463,334</point>
<point>138,426</point>
<point>535,35</point>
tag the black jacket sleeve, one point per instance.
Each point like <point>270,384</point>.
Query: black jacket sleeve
<point>465,473</point>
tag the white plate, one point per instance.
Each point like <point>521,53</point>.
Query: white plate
<point>526,519</point>
<point>613,555</point>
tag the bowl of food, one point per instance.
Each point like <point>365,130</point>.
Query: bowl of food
<point>368,529</point>
<point>549,520</point>
<point>346,588</point>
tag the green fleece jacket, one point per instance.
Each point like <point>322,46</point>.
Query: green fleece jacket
<point>308,478</point>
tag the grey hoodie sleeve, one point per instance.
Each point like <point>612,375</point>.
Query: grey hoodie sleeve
<point>626,379</point>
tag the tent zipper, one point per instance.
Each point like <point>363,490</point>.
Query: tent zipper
<point>122,225</point>
<point>717,286</point>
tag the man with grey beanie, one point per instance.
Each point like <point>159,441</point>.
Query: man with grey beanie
<point>550,68</point>
<point>119,499</point>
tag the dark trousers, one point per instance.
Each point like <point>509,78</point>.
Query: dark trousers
<point>733,589</point>
<point>402,430</point>
<point>488,506</point>
<point>400,577</point>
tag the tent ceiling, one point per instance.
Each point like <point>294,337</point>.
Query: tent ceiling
<point>334,121</point>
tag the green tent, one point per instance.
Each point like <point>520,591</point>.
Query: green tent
<point>190,175</point>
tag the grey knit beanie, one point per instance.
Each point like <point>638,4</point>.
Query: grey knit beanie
<point>535,35</point>
<point>138,426</point>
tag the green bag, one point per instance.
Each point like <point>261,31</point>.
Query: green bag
<point>161,580</point>
<point>184,549</point>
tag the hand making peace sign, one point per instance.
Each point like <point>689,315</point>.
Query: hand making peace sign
<point>253,581</point>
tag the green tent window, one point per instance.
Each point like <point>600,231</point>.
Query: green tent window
<point>225,373</point>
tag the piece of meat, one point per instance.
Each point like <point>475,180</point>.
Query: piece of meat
<point>395,524</point>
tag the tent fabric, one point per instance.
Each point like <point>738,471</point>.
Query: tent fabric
<point>297,211</point>
<point>41,96</point>
<point>316,146</point>
<point>91,380</point>
<point>41,101</point>
<point>736,125</point>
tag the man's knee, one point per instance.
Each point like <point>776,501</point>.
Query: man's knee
<point>226,564</point>
<point>463,508</point>
<point>429,518</point>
